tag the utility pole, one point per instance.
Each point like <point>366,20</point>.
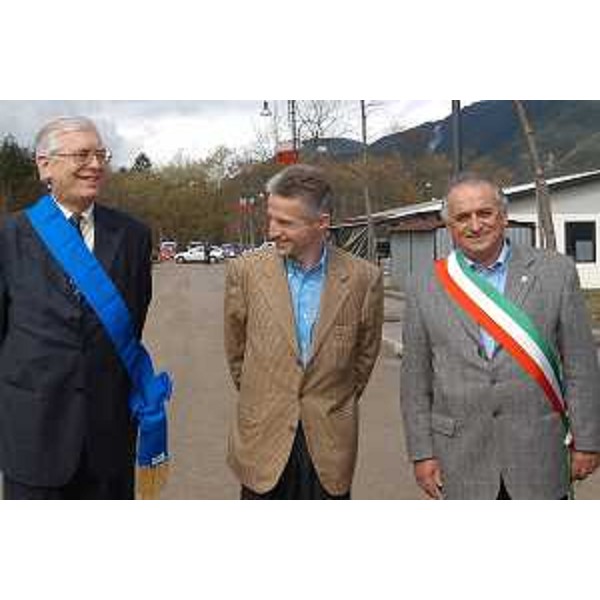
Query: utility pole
<point>292,118</point>
<point>251,234</point>
<point>371,250</point>
<point>542,193</point>
<point>242,220</point>
<point>456,137</point>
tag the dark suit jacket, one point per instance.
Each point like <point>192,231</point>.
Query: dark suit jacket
<point>62,386</point>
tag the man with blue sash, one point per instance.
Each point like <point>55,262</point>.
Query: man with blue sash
<point>78,395</point>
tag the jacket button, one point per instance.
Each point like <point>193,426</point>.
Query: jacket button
<point>496,413</point>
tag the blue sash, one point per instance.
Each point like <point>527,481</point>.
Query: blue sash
<point>149,392</point>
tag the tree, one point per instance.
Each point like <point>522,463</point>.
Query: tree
<point>222,163</point>
<point>178,201</point>
<point>546,224</point>
<point>321,118</point>
<point>18,178</point>
<point>142,164</point>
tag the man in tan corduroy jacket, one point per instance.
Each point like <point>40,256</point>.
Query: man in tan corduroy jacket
<point>302,334</point>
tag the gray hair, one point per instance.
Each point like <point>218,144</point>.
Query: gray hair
<point>305,182</point>
<point>468,178</point>
<point>46,141</point>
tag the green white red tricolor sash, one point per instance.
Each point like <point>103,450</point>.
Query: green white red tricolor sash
<point>508,325</point>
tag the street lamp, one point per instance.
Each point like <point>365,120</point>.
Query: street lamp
<point>285,153</point>
<point>365,152</point>
<point>269,110</point>
<point>427,186</point>
<point>251,202</point>
<point>261,202</point>
<point>266,110</point>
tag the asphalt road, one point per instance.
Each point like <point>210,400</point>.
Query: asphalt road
<point>185,336</point>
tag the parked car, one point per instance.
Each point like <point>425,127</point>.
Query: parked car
<point>263,246</point>
<point>167,250</point>
<point>216,254</point>
<point>195,244</point>
<point>199,254</point>
<point>266,245</point>
<point>232,250</point>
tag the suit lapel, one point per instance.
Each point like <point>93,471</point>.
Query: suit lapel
<point>335,291</point>
<point>54,273</point>
<point>275,290</point>
<point>519,282</point>
<point>470,327</point>
<point>108,236</point>
<point>520,277</point>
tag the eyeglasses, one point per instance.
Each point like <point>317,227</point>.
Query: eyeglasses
<point>84,157</point>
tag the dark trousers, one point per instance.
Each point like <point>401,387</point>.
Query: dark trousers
<point>84,485</point>
<point>504,495</point>
<point>299,480</point>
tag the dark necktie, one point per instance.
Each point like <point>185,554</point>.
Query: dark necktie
<point>76,220</point>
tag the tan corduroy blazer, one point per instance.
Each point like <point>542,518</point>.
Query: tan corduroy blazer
<point>275,390</point>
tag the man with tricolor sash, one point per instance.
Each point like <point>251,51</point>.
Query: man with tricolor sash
<point>500,385</point>
<point>79,398</point>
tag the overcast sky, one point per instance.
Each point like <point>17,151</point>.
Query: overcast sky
<point>191,129</point>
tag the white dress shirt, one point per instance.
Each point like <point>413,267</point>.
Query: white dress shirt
<point>86,225</point>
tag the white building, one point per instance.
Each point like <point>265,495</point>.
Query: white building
<point>417,235</point>
<point>576,214</point>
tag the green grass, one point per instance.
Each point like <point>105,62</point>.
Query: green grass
<point>593,302</point>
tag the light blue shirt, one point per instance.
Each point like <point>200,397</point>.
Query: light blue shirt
<point>495,275</point>
<point>305,290</point>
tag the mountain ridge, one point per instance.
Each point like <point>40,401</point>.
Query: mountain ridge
<point>567,134</point>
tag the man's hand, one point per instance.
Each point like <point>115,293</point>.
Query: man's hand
<point>583,464</point>
<point>429,477</point>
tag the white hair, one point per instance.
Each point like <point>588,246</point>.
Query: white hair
<point>46,141</point>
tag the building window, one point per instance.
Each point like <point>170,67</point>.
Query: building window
<point>581,241</point>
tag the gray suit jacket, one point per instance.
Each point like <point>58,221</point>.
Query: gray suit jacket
<point>484,418</point>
